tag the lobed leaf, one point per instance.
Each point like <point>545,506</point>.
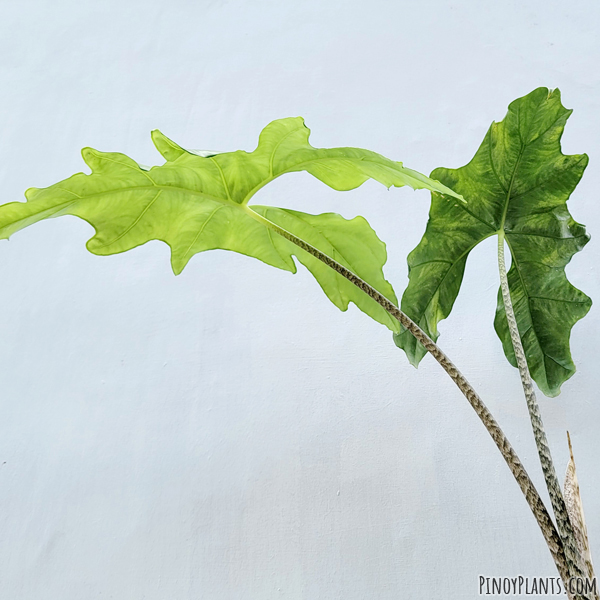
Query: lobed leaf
<point>517,183</point>
<point>199,201</point>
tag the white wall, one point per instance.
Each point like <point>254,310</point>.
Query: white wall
<point>228,434</point>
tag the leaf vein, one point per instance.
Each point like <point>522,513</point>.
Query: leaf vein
<point>222,177</point>
<point>206,221</point>
<point>274,151</point>
<point>132,225</point>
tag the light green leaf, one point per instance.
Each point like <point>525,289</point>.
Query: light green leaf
<point>196,203</point>
<point>350,242</point>
<point>517,183</point>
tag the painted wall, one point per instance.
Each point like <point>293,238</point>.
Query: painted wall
<point>229,434</point>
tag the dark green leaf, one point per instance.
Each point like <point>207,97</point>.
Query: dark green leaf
<point>517,183</point>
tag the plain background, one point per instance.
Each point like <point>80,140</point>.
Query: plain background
<point>229,434</point>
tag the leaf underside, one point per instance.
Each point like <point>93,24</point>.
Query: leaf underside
<point>518,182</point>
<point>196,203</point>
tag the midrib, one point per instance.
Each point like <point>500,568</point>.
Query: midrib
<point>508,192</point>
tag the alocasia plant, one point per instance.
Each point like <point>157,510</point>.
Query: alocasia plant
<point>516,187</point>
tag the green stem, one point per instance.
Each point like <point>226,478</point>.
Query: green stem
<point>556,498</point>
<point>532,496</point>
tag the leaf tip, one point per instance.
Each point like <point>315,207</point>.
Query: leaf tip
<point>413,358</point>
<point>88,154</point>
<point>554,93</point>
<point>413,361</point>
<point>158,136</point>
<point>177,266</point>
<point>166,147</point>
<point>585,159</point>
<point>585,238</point>
<point>570,446</point>
<point>549,390</point>
<point>300,120</point>
<point>31,193</point>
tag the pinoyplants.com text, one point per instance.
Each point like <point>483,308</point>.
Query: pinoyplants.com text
<point>533,586</point>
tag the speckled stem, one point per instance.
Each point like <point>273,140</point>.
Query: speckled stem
<point>565,529</point>
<point>512,460</point>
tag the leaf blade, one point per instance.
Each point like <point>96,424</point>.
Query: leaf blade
<point>352,243</point>
<point>517,184</point>
<point>197,203</point>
